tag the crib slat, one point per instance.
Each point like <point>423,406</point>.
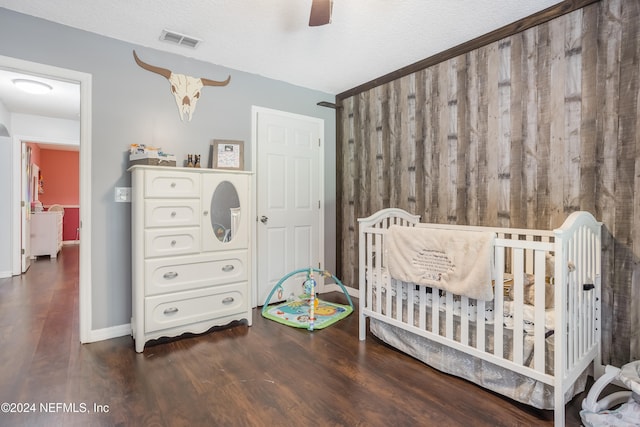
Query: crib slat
<point>588,266</point>
<point>571,313</point>
<point>539,315</point>
<point>480,326</point>
<point>410,304</point>
<point>449,315</point>
<point>592,267</point>
<point>498,305</point>
<point>400,289</point>
<point>371,269</point>
<point>390,284</point>
<point>518,301</point>
<point>575,296</point>
<point>578,297</point>
<point>584,296</point>
<point>579,262</point>
<point>528,265</point>
<point>381,280</point>
<point>464,320</point>
<point>435,311</point>
<point>423,307</point>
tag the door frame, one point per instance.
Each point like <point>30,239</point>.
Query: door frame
<point>255,111</point>
<point>84,282</point>
<point>25,223</point>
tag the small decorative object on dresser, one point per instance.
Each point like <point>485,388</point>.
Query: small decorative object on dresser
<point>190,248</point>
<point>227,154</point>
<point>141,154</point>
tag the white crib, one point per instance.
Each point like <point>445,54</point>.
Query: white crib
<point>536,352</point>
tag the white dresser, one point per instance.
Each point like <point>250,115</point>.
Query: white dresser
<point>46,233</point>
<point>191,250</point>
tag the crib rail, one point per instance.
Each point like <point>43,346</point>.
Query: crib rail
<point>461,321</point>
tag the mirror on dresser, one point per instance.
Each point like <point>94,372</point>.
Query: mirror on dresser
<point>225,211</point>
<point>225,224</point>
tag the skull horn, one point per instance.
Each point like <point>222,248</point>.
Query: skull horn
<point>162,71</point>
<point>207,82</point>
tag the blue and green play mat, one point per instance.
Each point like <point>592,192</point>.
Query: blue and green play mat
<point>307,310</point>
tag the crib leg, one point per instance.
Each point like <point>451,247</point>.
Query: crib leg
<point>363,327</point>
<point>558,407</point>
<point>558,416</point>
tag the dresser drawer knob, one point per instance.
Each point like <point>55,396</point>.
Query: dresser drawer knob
<point>227,300</point>
<point>171,310</point>
<point>227,268</point>
<point>173,185</point>
<point>170,275</point>
<point>173,214</point>
<point>173,243</point>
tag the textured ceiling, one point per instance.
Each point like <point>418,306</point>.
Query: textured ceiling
<point>365,40</point>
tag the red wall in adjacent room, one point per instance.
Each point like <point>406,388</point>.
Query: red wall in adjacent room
<point>61,175</point>
<point>70,224</point>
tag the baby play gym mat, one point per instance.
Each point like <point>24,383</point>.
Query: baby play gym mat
<point>307,310</point>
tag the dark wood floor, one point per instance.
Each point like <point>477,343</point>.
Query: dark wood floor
<point>267,374</point>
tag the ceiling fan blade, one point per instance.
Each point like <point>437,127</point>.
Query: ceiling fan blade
<point>320,12</point>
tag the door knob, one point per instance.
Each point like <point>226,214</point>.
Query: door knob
<point>264,219</point>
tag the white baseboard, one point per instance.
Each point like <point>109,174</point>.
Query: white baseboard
<point>70,242</point>
<point>108,333</point>
<point>5,274</point>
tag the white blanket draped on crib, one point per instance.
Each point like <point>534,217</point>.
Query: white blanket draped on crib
<point>457,261</point>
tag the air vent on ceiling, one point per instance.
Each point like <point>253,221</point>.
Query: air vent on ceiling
<point>179,39</point>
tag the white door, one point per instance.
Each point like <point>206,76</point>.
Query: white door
<point>25,208</point>
<point>290,200</point>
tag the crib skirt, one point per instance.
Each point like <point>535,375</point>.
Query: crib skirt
<point>481,372</point>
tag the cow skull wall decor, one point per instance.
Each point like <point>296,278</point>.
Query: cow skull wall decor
<point>185,89</point>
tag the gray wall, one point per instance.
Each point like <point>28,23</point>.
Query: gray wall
<point>132,105</point>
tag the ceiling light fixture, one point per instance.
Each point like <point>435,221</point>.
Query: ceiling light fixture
<point>32,86</point>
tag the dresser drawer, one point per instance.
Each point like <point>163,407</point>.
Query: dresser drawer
<point>174,184</point>
<point>171,241</point>
<point>183,308</point>
<point>171,213</point>
<point>192,272</point>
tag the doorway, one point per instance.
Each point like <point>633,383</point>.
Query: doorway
<point>84,80</point>
<point>288,162</point>
<point>54,174</point>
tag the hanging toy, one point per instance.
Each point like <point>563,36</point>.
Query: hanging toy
<point>310,290</point>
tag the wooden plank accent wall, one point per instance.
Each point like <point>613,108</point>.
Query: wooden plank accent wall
<point>519,132</point>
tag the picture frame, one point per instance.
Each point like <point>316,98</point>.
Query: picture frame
<point>227,154</point>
